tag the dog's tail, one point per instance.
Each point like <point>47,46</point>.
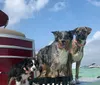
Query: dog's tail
<point>10,80</point>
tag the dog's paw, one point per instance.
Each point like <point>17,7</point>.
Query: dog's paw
<point>77,81</point>
<point>72,82</point>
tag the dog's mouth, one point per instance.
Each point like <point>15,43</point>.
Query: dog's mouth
<point>64,44</point>
<point>81,41</point>
<point>81,37</point>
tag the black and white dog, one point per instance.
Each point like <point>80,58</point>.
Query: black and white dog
<point>53,58</point>
<point>22,71</point>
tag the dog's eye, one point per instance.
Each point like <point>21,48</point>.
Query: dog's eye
<point>77,31</point>
<point>84,31</point>
<point>66,37</point>
<point>60,37</point>
<point>31,64</point>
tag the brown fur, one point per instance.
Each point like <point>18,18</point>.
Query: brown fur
<point>77,50</point>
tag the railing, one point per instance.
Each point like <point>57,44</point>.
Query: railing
<point>51,81</point>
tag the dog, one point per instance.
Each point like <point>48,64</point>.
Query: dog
<point>53,58</point>
<point>22,71</point>
<point>77,50</point>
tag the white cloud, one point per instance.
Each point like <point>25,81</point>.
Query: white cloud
<point>41,3</point>
<point>92,50</point>
<point>94,2</point>
<point>58,6</point>
<point>22,9</point>
<point>97,35</point>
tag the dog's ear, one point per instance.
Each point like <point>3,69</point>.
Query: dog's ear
<point>24,63</point>
<point>74,32</point>
<point>71,33</point>
<point>55,32</point>
<point>88,30</point>
<point>36,62</point>
<point>77,29</point>
<point>26,59</point>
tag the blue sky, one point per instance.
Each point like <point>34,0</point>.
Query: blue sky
<point>38,18</point>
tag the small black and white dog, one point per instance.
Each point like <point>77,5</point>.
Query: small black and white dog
<point>22,71</point>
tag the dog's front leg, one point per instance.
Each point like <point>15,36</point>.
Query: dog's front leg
<point>27,82</point>
<point>72,82</point>
<point>77,72</point>
<point>18,83</point>
<point>69,70</point>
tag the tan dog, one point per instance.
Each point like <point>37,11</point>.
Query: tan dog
<point>77,50</point>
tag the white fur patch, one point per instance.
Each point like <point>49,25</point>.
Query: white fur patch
<point>60,59</point>
<point>83,42</point>
<point>72,82</point>
<point>78,56</point>
<point>63,56</point>
<point>33,67</point>
<point>27,82</point>
<point>77,81</point>
<point>18,83</point>
<point>25,76</point>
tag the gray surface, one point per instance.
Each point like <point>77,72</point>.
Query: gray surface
<point>89,81</point>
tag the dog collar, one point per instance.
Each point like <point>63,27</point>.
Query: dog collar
<point>80,45</point>
<point>59,45</point>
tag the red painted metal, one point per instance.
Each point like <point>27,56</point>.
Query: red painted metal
<point>13,55</point>
<point>5,65</point>
<point>15,52</point>
<point>12,41</point>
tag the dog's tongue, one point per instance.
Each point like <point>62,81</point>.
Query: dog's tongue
<point>63,45</point>
<point>27,71</point>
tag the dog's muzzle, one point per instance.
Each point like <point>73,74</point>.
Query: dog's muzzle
<point>81,36</point>
<point>33,68</point>
<point>63,42</point>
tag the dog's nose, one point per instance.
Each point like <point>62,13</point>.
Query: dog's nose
<point>63,41</point>
<point>34,69</point>
<point>82,37</point>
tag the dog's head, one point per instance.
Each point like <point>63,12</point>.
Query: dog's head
<point>30,64</point>
<point>63,37</point>
<point>81,33</point>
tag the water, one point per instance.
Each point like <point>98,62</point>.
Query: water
<point>88,72</point>
<point>89,76</point>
